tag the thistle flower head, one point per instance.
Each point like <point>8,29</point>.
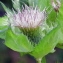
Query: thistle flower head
<point>28,17</point>
<point>28,21</point>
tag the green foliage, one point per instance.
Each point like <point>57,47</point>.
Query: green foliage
<point>60,22</point>
<point>43,4</point>
<point>46,44</point>
<point>33,2</point>
<point>3,21</point>
<point>3,26</point>
<point>40,3</point>
<point>18,43</point>
<point>43,60</point>
<point>2,33</point>
<point>5,8</point>
<point>52,15</point>
<point>14,4</point>
<point>19,3</point>
<point>60,45</point>
<point>60,16</point>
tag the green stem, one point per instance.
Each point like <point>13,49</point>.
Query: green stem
<point>39,60</point>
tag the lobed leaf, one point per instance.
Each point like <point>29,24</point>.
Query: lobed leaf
<point>18,43</point>
<point>47,44</point>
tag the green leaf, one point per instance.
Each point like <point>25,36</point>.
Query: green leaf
<point>43,4</point>
<point>3,21</point>
<point>14,4</point>
<point>5,8</point>
<point>19,3</point>
<point>2,35</point>
<point>40,3</point>
<point>18,43</point>
<point>3,26</point>
<point>60,22</point>
<point>51,20</point>
<point>23,2</point>
<point>60,16</point>
<point>3,32</point>
<point>60,39</point>
<point>33,2</point>
<point>60,36</point>
<point>47,44</point>
<point>8,11</point>
<point>60,45</point>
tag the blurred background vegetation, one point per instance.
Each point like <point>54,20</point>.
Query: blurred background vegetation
<point>9,56</point>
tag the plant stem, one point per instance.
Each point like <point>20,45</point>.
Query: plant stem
<point>39,60</point>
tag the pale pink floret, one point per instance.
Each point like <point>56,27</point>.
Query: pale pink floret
<point>29,18</point>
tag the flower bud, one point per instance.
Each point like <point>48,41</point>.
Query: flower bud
<point>56,5</point>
